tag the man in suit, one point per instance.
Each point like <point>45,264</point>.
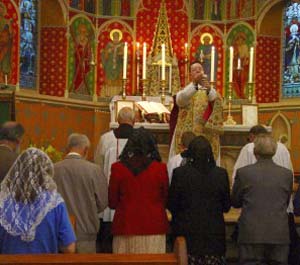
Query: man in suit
<point>263,190</point>
<point>107,152</point>
<point>11,134</point>
<point>83,186</point>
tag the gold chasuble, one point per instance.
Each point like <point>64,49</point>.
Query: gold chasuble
<point>202,118</point>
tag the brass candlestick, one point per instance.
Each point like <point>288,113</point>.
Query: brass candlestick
<point>163,87</point>
<point>124,81</point>
<point>230,120</point>
<point>186,62</point>
<point>251,92</point>
<point>212,84</point>
<point>144,85</point>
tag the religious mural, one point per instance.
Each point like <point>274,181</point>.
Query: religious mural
<point>81,56</point>
<point>6,39</point>
<point>241,38</point>
<point>203,39</point>
<point>112,62</point>
<point>291,51</point>
<point>112,38</point>
<point>207,9</point>
<point>116,7</point>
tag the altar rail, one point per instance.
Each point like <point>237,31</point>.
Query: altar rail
<point>178,257</point>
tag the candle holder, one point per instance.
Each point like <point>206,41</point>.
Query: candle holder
<point>251,92</point>
<point>163,87</point>
<point>212,84</point>
<point>138,59</point>
<point>124,81</point>
<point>186,69</point>
<point>144,85</point>
<point>230,120</point>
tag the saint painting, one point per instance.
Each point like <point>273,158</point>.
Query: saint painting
<point>112,62</point>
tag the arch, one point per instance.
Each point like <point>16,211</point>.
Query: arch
<point>264,10</point>
<point>84,17</point>
<point>207,25</point>
<point>107,23</point>
<point>241,23</point>
<point>281,127</point>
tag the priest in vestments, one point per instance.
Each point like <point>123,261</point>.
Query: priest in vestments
<point>200,111</point>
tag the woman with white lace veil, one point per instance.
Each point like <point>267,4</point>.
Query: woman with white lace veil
<point>33,215</point>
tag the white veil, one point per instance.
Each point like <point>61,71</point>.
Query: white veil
<point>27,194</point>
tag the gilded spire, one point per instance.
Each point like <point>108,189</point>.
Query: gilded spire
<point>162,33</point>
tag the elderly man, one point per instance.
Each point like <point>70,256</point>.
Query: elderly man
<point>263,190</point>
<point>83,186</point>
<point>11,134</point>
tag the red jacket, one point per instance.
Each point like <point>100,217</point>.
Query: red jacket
<point>139,200</point>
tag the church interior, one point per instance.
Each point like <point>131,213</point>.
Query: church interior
<point>63,68</point>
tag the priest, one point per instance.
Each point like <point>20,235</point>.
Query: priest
<point>200,111</point>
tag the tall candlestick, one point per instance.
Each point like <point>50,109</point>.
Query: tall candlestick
<point>230,63</point>
<point>212,64</point>
<point>251,65</point>
<point>163,62</point>
<point>144,59</point>
<point>5,79</point>
<point>185,49</point>
<point>125,60</point>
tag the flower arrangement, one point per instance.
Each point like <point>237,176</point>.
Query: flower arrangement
<point>54,154</point>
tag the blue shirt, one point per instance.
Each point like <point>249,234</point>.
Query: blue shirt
<point>53,232</point>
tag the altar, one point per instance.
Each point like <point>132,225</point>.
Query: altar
<point>231,141</point>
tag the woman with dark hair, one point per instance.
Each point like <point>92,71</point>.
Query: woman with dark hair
<point>198,196</point>
<point>33,216</point>
<point>138,191</point>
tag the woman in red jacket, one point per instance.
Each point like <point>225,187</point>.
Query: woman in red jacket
<point>138,190</point>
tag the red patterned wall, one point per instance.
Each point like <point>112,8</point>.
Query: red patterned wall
<point>53,61</point>
<point>178,22</point>
<point>267,75</point>
<point>12,15</point>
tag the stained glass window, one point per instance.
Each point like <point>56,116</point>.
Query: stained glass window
<point>291,50</point>
<point>28,43</point>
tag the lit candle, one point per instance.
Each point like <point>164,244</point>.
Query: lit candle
<point>239,64</point>
<point>5,79</point>
<point>230,63</point>
<point>138,49</point>
<point>125,60</point>
<point>186,49</point>
<point>251,65</point>
<point>212,64</point>
<point>163,62</point>
<point>144,60</point>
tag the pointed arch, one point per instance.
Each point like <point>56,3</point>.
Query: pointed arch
<point>281,127</point>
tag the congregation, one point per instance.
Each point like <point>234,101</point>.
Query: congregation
<point>129,201</point>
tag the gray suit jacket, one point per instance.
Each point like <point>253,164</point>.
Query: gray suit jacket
<point>83,186</point>
<point>263,191</point>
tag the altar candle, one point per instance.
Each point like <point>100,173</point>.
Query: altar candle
<point>212,64</point>
<point>239,64</point>
<point>5,79</point>
<point>185,49</point>
<point>144,60</point>
<point>230,63</point>
<point>163,62</point>
<point>138,49</point>
<point>125,60</point>
<point>251,65</point>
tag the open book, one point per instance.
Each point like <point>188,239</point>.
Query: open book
<point>153,111</point>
